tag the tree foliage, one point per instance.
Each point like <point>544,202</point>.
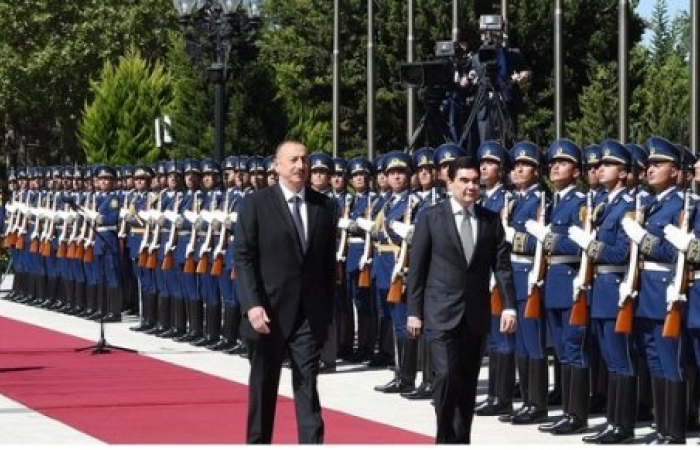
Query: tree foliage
<point>117,126</point>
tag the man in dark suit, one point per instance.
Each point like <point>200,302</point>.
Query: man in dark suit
<point>284,255</point>
<point>455,247</point>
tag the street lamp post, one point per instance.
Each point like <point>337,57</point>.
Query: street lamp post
<point>213,28</point>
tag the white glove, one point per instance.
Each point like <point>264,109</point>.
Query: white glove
<point>364,262</point>
<point>510,234</point>
<point>580,237</point>
<point>344,223</point>
<point>537,229</point>
<point>678,238</point>
<point>515,77</point>
<point>633,230</point>
<point>673,296</point>
<point>402,229</point>
<point>366,224</point>
<point>625,291</point>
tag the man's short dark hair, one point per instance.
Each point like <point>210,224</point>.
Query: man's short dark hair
<point>462,162</point>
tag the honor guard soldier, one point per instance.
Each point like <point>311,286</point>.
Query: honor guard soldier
<point>321,166</point>
<point>688,242</point>
<point>38,199</point>
<point>393,226</point>
<point>20,201</point>
<point>344,309</point>
<point>243,180</point>
<point>358,256</point>
<point>208,285</point>
<point>223,250</point>
<point>270,170</point>
<point>565,160</point>
<point>493,163</point>
<point>608,248</point>
<point>59,245</point>
<point>258,174</point>
<point>185,251</point>
<point>599,375</point>
<point>658,294</point>
<point>106,246</point>
<point>530,337</point>
<point>141,200</point>
<point>425,195</point>
<point>77,195</point>
<point>444,154</point>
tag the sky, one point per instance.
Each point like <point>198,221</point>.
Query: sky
<point>674,6</point>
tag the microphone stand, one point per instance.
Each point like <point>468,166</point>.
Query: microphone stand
<point>101,346</point>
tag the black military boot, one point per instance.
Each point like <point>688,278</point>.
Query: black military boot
<point>505,382</point>
<point>196,321</point>
<point>522,364</point>
<point>227,340</point>
<point>609,411</point>
<point>625,412</point>
<point>579,389</point>
<point>163,317</point>
<point>425,389</point>
<point>658,391</point>
<point>538,383</point>
<point>238,347</point>
<point>385,346</point>
<point>366,332</point>
<point>148,315</point>
<point>114,302</point>
<point>677,411</point>
<point>178,321</point>
<point>565,371</point>
<point>212,326</point>
<point>188,318</point>
<point>491,389</point>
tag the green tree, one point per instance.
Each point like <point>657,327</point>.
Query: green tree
<point>662,36</point>
<point>598,103</point>
<point>50,50</point>
<point>117,126</point>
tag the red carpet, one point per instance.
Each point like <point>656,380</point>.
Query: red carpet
<point>124,398</point>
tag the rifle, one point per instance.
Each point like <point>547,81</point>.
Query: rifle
<point>630,283</point>
<point>62,244</point>
<point>496,302</point>
<point>147,217</point>
<point>152,253</point>
<point>189,251</point>
<point>676,292</point>
<point>22,230</point>
<point>121,234</point>
<point>48,233</point>
<point>217,267</point>
<point>89,255</point>
<point>342,248</point>
<point>364,278</point>
<point>34,243</point>
<point>203,264</point>
<point>584,277</point>
<point>11,236</point>
<point>170,245</point>
<point>79,249</point>
<point>535,279</point>
<point>401,265</point>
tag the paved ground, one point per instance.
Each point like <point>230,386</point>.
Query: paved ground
<point>349,390</point>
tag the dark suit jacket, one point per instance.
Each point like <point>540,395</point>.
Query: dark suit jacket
<point>274,272</point>
<point>442,287</point>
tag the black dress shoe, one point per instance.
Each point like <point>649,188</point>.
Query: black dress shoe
<point>238,349</point>
<point>532,415</point>
<point>508,418</point>
<point>155,330</point>
<point>616,435</point>
<point>143,326</point>
<point>395,386</point>
<point>111,318</point>
<point>422,392</point>
<point>187,337</point>
<point>595,438</point>
<point>497,408</point>
<point>204,341</point>
<point>488,401</point>
<point>326,367</point>
<point>548,427</point>
<point>573,426</point>
<point>222,344</point>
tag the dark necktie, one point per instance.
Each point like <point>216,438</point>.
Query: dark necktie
<point>466,235</point>
<point>298,223</point>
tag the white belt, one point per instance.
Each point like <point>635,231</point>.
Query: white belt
<point>657,266</point>
<point>356,240</point>
<point>565,259</point>
<point>107,228</point>
<point>522,258</point>
<point>610,269</point>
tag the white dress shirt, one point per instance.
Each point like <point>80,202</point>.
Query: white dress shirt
<point>288,194</point>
